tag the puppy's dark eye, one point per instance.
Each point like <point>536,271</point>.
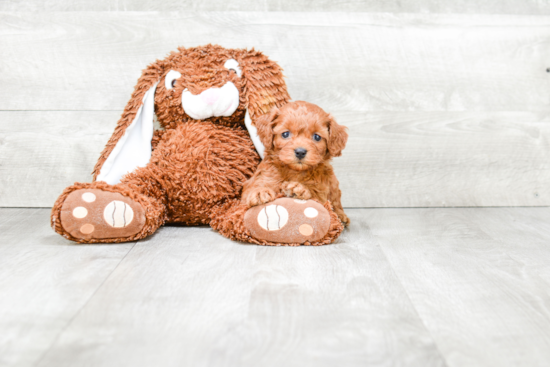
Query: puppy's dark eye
<point>286,134</point>
<point>174,83</point>
<point>316,137</point>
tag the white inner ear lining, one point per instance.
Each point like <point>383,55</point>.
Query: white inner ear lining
<point>133,149</point>
<point>253,132</point>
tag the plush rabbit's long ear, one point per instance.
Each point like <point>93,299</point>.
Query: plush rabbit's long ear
<point>265,89</point>
<point>130,144</point>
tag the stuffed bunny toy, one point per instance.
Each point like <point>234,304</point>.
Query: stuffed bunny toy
<point>192,170</point>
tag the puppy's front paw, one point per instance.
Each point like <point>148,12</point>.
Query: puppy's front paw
<point>296,190</point>
<point>259,196</point>
<point>344,219</point>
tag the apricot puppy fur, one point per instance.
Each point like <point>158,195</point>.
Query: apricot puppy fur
<point>300,139</point>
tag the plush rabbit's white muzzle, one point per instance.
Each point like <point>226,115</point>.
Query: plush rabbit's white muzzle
<point>211,102</point>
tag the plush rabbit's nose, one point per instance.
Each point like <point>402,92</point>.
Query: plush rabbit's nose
<point>210,96</point>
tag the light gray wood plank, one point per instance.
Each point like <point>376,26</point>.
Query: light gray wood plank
<point>41,153</point>
<point>445,159</point>
<point>175,294</point>
<point>406,159</point>
<point>44,281</point>
<point>189,297</point>
<point>336,305</point>
<point>392,6</point>
<point>355,61</point>
<point>479,279</point>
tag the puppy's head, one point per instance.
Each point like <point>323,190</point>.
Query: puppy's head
<point>300,135</point>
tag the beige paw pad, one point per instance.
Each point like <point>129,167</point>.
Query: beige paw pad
<point>87,228</point>
<point>118,214</point>
<point>306,229</point>
<point>287,220</point>
<point>273,217</point>
<point>80,212</point>
<point>311,212</point>
<point>88,197</point>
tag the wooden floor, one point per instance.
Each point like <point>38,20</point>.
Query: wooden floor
<point>401,287</point>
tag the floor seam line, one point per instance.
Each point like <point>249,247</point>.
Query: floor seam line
<point>410,300</point>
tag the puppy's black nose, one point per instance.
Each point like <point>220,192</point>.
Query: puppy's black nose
<point>300,153</point>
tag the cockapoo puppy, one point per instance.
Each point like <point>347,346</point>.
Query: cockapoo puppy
<point>300,139</point>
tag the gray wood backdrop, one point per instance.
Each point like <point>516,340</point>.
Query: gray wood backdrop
<point>447,102</point>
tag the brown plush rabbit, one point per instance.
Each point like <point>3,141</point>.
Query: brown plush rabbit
<point>192,171</point>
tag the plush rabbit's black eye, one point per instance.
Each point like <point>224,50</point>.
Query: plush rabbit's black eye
<point>286,134</point>
<point>174,83</point>
<point>316,137</point>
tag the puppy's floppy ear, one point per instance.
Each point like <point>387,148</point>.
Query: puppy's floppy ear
<point>264,88</point>
<point>338,137</point>
<point>130,145</point>
<point>265,125</point>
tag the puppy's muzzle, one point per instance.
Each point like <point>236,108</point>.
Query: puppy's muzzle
<point>300,153</point>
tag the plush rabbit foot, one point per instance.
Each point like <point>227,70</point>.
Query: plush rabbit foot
<point>95,214</point>
<point>288,220</point>
<point>101,213</point>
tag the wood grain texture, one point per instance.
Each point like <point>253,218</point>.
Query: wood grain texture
<point>41,153</point>
<point>406,159</point>
<point>392,6</point>
<point>479,279</point>
<point>190,297</point>
<point>44,281</point>
<point>444,159</point>
<point>456,287</point>
<point>178,291</point>
<point>332,306</point>
<point>352,61</point>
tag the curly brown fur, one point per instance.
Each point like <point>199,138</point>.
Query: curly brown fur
<point>300,139</point>
<point>261,87</point>
<point>195,166</point>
